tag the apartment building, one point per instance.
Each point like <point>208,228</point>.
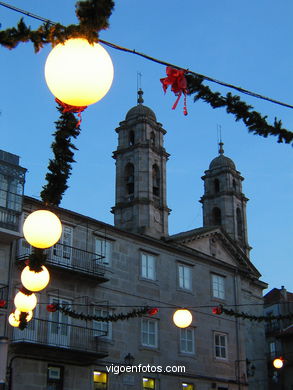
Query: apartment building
<point>99,270</point>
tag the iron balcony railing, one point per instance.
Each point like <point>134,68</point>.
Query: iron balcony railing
<point>272,327</point>
<point>3,296</point>
<point>69,258</point>
<point>60,335</point>
<point>10,210</point>
<point>9,219</point>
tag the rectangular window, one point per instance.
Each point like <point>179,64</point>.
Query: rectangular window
<point>187,340</point>
<point>148,383</point>
<point>148,266</point>
<point>218,286</point>
<point>220,345</point>
<point>272,348</point>
<point>104,250</point>
<point>184,277</point>
<point>55,378</point>
<point>149,333</point>
<point>100,380</point>
<point>103,328</point>
<point>62,251</point>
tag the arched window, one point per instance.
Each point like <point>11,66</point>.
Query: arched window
<point>239,224</point>
<point>129,179</point>
<point>156,180</point>
<point>153,139</point>
<point>131,138</point>
<point>234,185</point>
<point>217,218</point>
<point>216,185</point>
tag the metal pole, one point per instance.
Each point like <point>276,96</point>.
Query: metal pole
<point>3,360</point>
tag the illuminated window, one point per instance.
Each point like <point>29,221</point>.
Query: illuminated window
<point>187,386</point>
<point>148,383</point>
<point>55,378</point>
<point>218,285</point>
<point>100,380</point>
<point>220,345</point>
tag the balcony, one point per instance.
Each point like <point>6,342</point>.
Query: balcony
<point>272,327</point>
<point>68,258</point>
<point>59,341</point>
<point>3,296</point>
<point>9,224</point>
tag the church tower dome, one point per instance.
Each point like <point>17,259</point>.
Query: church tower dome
<point>140,204</point>
<point>223,202</point>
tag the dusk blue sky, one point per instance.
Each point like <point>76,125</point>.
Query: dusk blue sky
<point>248,44</point>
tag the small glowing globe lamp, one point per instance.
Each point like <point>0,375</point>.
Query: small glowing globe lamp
<point>35,281</point>
<point>278,363</point>
<point>17,314</point>
<point>13,321</point>
<point>42,229</point>
<point>182,318</point>
<point>25,302</point>
<point>78,73</point>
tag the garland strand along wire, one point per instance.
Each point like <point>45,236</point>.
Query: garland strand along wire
<point>114,46</point>
<point>60,167</point>
<point>246,316</point>
<point>93,17</point>
<point>253,120</point>
<point>110,318</point>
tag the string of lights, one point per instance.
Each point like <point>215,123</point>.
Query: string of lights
<point>158,61</point>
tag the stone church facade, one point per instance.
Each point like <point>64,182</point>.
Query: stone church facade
<point>100,269</point>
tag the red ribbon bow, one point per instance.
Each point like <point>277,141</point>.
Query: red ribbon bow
<point>52,308</point>
<point>176,78</point>
<point>74,109</point>
<point>153,311</point>
<point>217,310</point>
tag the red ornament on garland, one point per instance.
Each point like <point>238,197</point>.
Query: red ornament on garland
<point>217,310</point>
<point>2,303</point>
<point>176,78</point>
<point>74,109</point>
<point>52,308</point>
<point>153,311</point>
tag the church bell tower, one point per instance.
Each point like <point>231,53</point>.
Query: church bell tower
<point>223,202</point>
<point>140,204</point>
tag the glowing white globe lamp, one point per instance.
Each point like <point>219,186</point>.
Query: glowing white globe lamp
<point>35,281</point>
<point>25,302</point>
<point>28,317</point>
<point>13,321</point>
<point>182,318</point>
<point>278,363</point>
<point>78,73</point>
<point>42,229</point>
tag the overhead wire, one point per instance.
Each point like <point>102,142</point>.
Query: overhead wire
<point>158,61</point>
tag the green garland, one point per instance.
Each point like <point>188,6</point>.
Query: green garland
<point>246,316</point>
<point>110,318</point>
<point>93,17</point>
<point>253,120</point>
<point>60,167</point>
